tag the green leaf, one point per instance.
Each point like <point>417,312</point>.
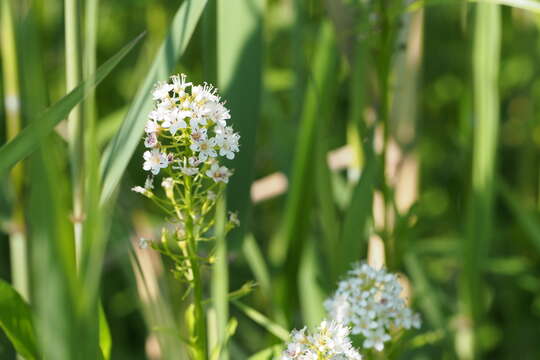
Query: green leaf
<point>28,139</point>
<point>269,353</point>
<point>354,235</point>
<point>105,342</point>
<point>16,321</point>
<point>123,145</point>
<point>273,328</point>
<point>239,69</point>
<point>220,279</point>
<point>255,260</point>
<point>486,58</point>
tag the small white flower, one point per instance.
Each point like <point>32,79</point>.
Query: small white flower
<point>138,189</point>
<point>161,91</point>
<point>151,127</point>
<point>154,161</point>
<point>179,84</point>
<point>205,148</point>
<point>149,182</point>
<point>175,120</point>
<point>189,171</point>
<point>376,339</point>
<point>228,145</point>
<point>143,243</point>
<point>198,135</point>
<point>167,183</point>
<point>194,161</point>
<point>151,140</point>
<point>233,218</point>
<point>204,93</point>
<point>218,173</point>
<point>216,112</point>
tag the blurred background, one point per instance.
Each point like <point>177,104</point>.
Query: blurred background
<point>395,132</point>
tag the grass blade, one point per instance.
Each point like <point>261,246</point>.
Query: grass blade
<point>239,55</point>
<point>28,140</point>
<point>220,279</point>
<point>480,223</point>
<point>323,73</point>
<point>273,328</point>
<point>354,234</point>
<point>123,145</point>
<point>257,264</point>
<point>16,321</point>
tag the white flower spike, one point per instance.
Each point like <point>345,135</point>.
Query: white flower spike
<point>368,300</point>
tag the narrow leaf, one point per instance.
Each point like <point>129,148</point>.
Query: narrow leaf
<point>16,321</point>
<point>262,320</point>
<point>28,140</point>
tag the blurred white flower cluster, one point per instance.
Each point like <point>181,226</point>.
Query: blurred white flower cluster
<point>330,342</point>
<point>369,301</point>
<point>188,131</point>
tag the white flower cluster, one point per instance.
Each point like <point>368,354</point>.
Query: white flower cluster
<point>368,300</point>
<point>330,342</point>
<point>188,130</point>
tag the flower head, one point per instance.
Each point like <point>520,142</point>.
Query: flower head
<point>369,301</point>
<point>154,161</point>
<point>189,122</point>
<point>330,341</point>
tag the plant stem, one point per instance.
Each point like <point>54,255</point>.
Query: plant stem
<point>198,330</point>
<point>75,126</point>
<point>383,72</point>
<point>18,244</point>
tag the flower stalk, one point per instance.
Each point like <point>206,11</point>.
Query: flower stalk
<point>186,134</point>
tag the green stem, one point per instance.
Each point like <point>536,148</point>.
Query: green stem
<point>384,72</point>
<point>198,330</point>
<point>18,243</point>
<point>75,127</point>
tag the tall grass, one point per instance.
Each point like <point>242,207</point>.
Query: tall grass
<point>302,79</point>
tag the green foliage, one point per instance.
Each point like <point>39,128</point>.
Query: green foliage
<point>302,79</point>
<point>16,322</point>
<point>27,141</point>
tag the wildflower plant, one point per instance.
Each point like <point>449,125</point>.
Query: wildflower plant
<point>369,301</point>
<point>330,341</point>
<point>186,136</point>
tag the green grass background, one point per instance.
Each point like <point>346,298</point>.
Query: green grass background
<point>301,77</point>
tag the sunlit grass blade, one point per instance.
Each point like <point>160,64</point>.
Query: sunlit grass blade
<point>256,262</point>
<point>220,280</point>
<point>18,242</point>
<point>123,145</point>
<point>16,322</point>
<point>272,327</point>
<point>309,286</point>
<point>28,140</point>
<point>267,354</point>
<point>53,255</point>
<point>239,69</point>
<point>480,217</point>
